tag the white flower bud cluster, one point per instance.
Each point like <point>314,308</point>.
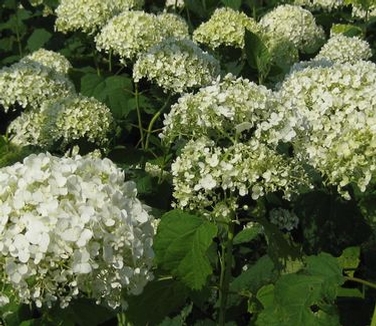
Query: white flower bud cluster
<point>62,121</point>
<point>358,12</point>
<point>49,59</point>
<point>284,219</point>
<point>72,227</point>
<point>133,32</point>
<point>225,27</point>
<point>329,113</point>
<point>174,3</point>
<point>341,48</point>
<point>177,65</point>
<point>89,15</point>
<point>326,5</point>
<point>295,24</point>
<point>204,172</point>
<point>29,83</point>
<point>223,109</point>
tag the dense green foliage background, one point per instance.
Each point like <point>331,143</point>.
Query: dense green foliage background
<point>322,273</point>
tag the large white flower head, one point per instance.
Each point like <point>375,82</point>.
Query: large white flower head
<point>49,59</point>
<point>89,15</point>
<point>295,24</point>
<point>72,226</point>
<point>203,173</point>
<point>359,12</point>
<point>341,48</point>
<point>29,83</point>
<point>225,27</point>
<point>221,110</point>
<point>62,121</point>
<point>133,32</point>
<point>177,65</point>
<point>326,5</point>
<point>329,114</point>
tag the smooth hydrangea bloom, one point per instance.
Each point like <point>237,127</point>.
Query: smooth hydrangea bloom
<point>327,5</point>
<point>89,15</point>
<point>328,114</point>
<point>50,59</point>
<point>295,24</point>
<point>341,48</point>
<point>222,110</point>
<point>71,227</point>
<point>203,172</point>
<point>134,32</point>
<point>174,3</point>
<point>62,121</point>
<point>284,219</point>
<point>359,12</point>
<point>29,83</point>
<point>225,27</point>
<point>177,65</point>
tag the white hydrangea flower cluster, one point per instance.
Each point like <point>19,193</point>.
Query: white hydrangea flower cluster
<point>359,12</point>
<point>71,227</point>
<point>204,172</point>
<point>284,219</point>
<point>29,83</point>
<point>326,5</point>
<point>61,121</point>
<point>221,110</point>
<point>177,65</point>
<point>225,27</point>
<point>329,114</point>
<point>133,32</point>
<point>49,59</point>
<point>341,48</point>
<point>295,24</point>
<point>89,15</point>
<point>174,3</point>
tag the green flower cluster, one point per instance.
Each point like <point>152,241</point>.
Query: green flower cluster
<point>225,27</point>
<point>134,32</point>
<point>62,121</point>
<point>329,113</point>
<point>295,24</point>
<point>89,15</point>
<point>177,65</point>
<point>341,48</point>
<point>30,82</point>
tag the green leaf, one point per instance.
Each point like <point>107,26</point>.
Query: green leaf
<point>248,234</point>
<point>326,266</point>
<point>346,29</point>
<point>350,293</point>
<point>349,260</point>
<point>114,91</point>
<point>181,246</point>
<point>251,280</point>
<point>257,53</point>
<point>161,296</point>
<point>38,39</point>
<point>233,4</point>
<point>254,277</point>
<point>298,300</point>
<point>304,298</point>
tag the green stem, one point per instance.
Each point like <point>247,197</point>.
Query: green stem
<point>361,281</point>
<point>225,277</point>
<point>20,52</point>
<point>110,61</point>
<point>153,120</point>
<point>373,321</point>
<point>137,97</point>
